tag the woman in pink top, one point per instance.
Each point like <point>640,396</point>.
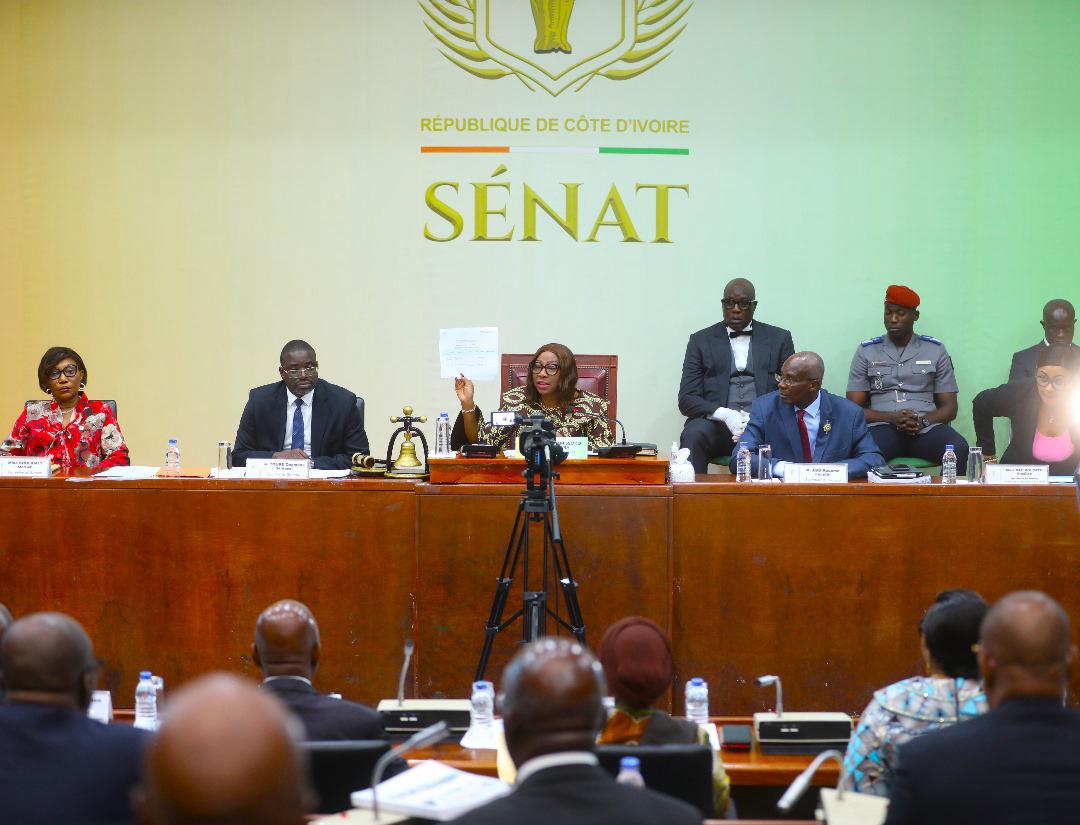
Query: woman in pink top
<point>1045,414</point>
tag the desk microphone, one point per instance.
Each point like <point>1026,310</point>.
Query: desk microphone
<point>404,669</point>
<point>624,449</point>
<point>588,414</point>
<point>420,739</point>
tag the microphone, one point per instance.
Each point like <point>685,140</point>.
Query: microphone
<point>587,414</point>
<point>404,669</point>
<point>762,681</point>
<point>797,788</point>
<point>420,739</point>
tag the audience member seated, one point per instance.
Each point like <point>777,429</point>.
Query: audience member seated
<point>71,430</point>
<point>226,754</point>
<point>287,650</point>
<point>56,764</point>
<point>639,669</point>
<point>1059,325</point>
<point>1020,762</point>
<point>950,692</point>
<point>1045,424</point>
<point>805,424</point>
<point>551,391</point>
<point>552,710</point>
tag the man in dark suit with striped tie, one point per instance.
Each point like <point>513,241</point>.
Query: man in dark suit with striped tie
<point>301,416</point>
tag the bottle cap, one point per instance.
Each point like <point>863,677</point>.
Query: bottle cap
<point>948,446</point>
<point>444,415</point>
<point>697,681</point>
<point>172,440</point>
<point>630,763</point>
<point>145,674</point>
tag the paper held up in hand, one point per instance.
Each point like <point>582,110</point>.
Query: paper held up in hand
<point>469,351</point>
<point>433,790</point>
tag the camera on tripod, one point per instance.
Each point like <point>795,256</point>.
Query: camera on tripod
<point>535,433</point>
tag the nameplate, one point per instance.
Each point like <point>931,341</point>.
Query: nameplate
<point>815,473</point>
<point>1017,473</point>
<point>24,466</point>
<point>577,447</point>
<point>100,709</point>
<point>278,468</point>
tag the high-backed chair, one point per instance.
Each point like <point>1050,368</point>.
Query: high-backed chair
<point>360,409</point>
<point>109,401</point>
<point>682,771</point>
<point>597,374</point>
<point>339,768</point>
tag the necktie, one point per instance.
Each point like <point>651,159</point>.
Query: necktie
<point>808,457</point>
<point>298,425</point>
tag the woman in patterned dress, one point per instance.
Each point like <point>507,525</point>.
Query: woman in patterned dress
<point>551,390</point>
<point>70,429</point>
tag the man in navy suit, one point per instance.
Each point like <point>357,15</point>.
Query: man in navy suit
<point>807,425</point>
<point>287,650</point>
<point>726,367</point>
<point>1059,324</point>
<point>301,416</point>
<point>56,764</point>
<point>1020,762</point>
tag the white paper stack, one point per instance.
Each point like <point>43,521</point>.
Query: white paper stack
<point>433,790</point>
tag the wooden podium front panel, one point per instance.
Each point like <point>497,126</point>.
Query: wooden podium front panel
<point>617,541</point>
<point>170,575</point>
<point>826,585</point>
<point>593,470</point>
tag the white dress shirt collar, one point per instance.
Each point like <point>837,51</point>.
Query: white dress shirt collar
<point>303,679</point>
<point>555,760</point>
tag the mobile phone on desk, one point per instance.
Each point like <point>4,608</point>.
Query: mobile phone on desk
<point>736,737</point>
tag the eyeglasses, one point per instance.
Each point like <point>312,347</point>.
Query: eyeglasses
<point>294,372</point>
<point>788,380</point>
<point>731,303</point>
<point>1058,383</point>
<point>551,367</point>
<point>70,371</point>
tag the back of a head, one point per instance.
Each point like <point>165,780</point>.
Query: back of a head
<point>226,753</point>
<point>552,699</point>
<point>46,655</point>
<point>637,661</point>
<point>1025,648</point>
<point>287,639</point>
<point>950,631</point>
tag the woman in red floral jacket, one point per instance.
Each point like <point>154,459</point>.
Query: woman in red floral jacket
<point>71,429</point>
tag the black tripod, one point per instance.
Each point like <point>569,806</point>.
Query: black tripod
<point>537,505</point>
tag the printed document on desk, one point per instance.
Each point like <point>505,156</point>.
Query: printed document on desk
<point>433,790</point>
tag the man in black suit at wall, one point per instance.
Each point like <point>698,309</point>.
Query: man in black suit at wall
<point>287,649</point>
<point>552,708</point>
<point>1020,762</point>
<point>301,416</point>
<point>56,764</point>
<point>1059,325</point>
<point>726,367</point>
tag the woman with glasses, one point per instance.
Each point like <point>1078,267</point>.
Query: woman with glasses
<point>1045,414</point>
<point>550,390</point>
<point>70,429</point>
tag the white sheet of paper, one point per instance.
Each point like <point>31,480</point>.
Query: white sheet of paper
<point>329,473</point>
<point>133,473</point>
<point>470,351</point>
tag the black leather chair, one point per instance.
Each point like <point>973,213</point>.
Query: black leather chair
<point>360,409</point>
<point>339,768</point>
<point>112,405</point>
<point>682,771</point>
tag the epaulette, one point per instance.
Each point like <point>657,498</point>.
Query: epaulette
<point>930,338</point>
<point>872,341</point>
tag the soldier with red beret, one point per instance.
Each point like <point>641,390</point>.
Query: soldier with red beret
<point>906,386</point>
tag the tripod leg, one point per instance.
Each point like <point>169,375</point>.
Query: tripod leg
<point>534,622</point>
<point>575,623</point>
<point>519,540</point>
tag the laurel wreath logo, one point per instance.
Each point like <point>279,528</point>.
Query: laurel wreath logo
<point>453,24</point>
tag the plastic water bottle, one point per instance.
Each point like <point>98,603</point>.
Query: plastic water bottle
<point>742,463</point>
<point>697,701</point>
<point>146,702</point>
<point>948,465</point>
<point>630,772</point>
<point>172,458</point>
<point>442,435</point>
<point>483,704</point>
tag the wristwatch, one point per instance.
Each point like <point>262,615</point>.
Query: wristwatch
<point>924,422</point>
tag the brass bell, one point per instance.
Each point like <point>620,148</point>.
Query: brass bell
<point>407,454</point>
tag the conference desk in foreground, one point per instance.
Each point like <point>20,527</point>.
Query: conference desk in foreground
<point>824,585</point>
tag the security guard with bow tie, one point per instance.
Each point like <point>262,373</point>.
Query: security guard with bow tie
<point>906,386</point>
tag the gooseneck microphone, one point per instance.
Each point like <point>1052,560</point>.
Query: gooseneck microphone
<point>404,669</point>
<point>420,739</point>
<point>587,414</point>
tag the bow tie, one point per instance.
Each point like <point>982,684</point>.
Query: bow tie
<point>735,333</point>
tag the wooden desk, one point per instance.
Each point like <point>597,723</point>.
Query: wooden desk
<point>637,470</point>
<point>824,585</point>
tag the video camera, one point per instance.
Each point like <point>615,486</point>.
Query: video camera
<point>535,433</point>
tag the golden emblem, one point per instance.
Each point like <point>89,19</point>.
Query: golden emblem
<point>492,39</point>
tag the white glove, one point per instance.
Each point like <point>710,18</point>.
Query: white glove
<point>734,420</point>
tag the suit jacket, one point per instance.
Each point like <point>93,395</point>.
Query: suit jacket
<point>1024,362</point>
<point>324,717</point>
<point>336,429</point>
<point>1019,763</point>
<point>706,370</point>
<point>847,441</point>
<point>1019,401</point>
<point>580,795</point>
<point>56,765</point>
